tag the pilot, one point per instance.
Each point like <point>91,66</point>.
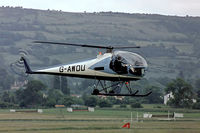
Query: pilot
<point>119,67</point>
<point>118,61</point>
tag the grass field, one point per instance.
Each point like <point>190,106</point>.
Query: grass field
<point>100,121</point>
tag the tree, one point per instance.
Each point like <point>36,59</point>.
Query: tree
<point>182,92</point>
<point>64,86</point>
<point>68,101</point>
<point>50,102</point>
<point>113,100</point>
<point>32,95</point>
<point>104,103</point>
<point>156,96</point>
<point>197,83</point>
<point>5,97</point>
<point>60,83</point>
<point>129,100</point>
<point>8,99</point>
<point>197,90</point>
<point>90,101</point>
<point>136,105</point>
<point>5,80</point>
<point>56,83</point>
<point>196,105</point>
<point>55,96</point>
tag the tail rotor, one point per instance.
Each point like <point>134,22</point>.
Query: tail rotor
<point>18,67</point>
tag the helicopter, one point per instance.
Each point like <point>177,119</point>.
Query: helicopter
<point>119,67</point>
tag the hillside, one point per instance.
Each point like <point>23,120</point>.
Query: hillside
<point>169,43</point>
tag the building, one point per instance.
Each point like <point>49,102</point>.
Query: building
<point>170,95</point>
<point>167,97</point>
<point>18,84</point>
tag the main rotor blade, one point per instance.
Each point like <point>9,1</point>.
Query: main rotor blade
<point>72,44</point>
<point>124,47</point>
<point>90,46</point>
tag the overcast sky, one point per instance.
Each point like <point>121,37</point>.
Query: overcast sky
<point>165,7</point>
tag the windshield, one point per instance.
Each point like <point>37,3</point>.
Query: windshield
<point>129,58</point>
<point>124,62</point>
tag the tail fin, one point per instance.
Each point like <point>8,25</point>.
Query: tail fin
<point>28,70</point>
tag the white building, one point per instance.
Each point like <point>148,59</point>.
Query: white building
<point>167,97</point>
<point>170,95</point>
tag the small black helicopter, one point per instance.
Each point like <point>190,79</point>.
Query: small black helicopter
<point>119,67</point>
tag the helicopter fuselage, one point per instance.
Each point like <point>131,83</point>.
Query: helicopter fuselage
<point>117,66</point>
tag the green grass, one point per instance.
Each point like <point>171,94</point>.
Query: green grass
<point>101,121</point>
<point>120,113</point>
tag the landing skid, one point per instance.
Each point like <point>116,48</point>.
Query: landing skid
<point>105,92</point>
<point>132,95</point>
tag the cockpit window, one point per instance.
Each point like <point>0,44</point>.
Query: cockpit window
<point>129,58</point>
<point>126,62</point>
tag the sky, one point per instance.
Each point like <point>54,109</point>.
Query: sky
<point>164,7</point>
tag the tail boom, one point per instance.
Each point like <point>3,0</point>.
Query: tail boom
<point>28,69</point>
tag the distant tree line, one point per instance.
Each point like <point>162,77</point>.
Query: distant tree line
<point>36,94</point>
<point>6,80</point>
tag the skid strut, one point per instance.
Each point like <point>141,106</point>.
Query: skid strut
<point>110,90</point>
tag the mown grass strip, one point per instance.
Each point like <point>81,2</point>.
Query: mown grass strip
<point>90,120</point>
<point>153,110</point>
<point>56,120</point>
<point>64,128</point>
<point>94,128</point>
<point>93,120</point>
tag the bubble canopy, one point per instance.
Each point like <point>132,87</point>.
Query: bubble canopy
<point>130,59</point>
